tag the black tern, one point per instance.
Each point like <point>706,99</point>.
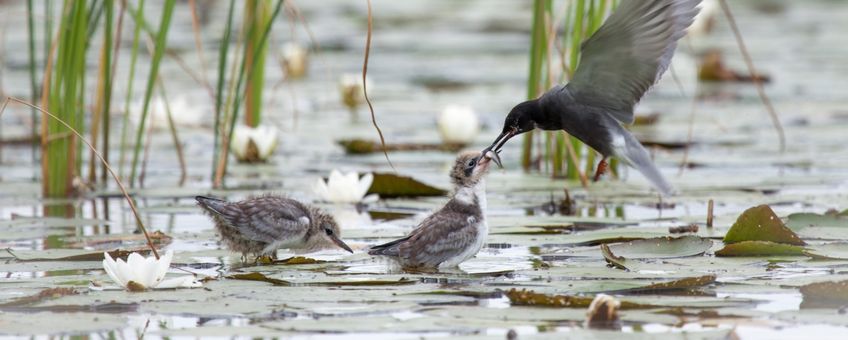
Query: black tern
<point>619,63</point>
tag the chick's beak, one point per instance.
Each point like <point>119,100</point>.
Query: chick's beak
<point>340,243</point>
<point>490,155</point>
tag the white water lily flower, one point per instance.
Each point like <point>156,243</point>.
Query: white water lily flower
<point>140,273</point>
<point>294,60</point>
<point>458,124</point>
<point>253,145</point>
<point>352,89</point>
<point>345,188</point>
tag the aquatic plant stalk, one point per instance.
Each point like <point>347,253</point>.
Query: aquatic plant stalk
<point>60,150</point>
<point>121,187</point>
<point>219,92</point>
<point>133,58</point>
<point>159,49</point>
<point>365,84</point>
<point>256,16</point>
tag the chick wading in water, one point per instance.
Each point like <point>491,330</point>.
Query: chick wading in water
<point>457,231</point>
<point>261,225</point>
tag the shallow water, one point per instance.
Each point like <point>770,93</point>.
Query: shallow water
<point>480,48</point>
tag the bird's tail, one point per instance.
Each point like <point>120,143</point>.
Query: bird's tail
<point>387,249</point>
<point>635,155</point>
<point>212,205</point>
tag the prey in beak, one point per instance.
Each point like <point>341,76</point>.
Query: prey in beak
<point>489,155</point>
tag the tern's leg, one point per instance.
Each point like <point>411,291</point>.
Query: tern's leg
<point>602,167</point>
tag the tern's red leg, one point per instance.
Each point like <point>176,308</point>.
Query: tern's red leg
<point>602,167</point>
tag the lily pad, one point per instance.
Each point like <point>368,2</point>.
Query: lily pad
<point>70,255</point>
<point>825,295</point>
<point>800,221</point>
<point>613,260</point>
<point>525,297</point>
<point>681,284</point>
<point>760,223</point>
<point>761,248</point>
<point>662,247</point>
<point>391,186</point>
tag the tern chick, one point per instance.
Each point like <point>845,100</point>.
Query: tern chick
<point>457,231</point>
<point>261,225</point>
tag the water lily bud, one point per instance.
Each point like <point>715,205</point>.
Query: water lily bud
<point>295,60</point>
<point>352,90</point>
<point>458,124</point>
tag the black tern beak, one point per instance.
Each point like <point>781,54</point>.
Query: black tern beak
<point>496,146</point>
<point>340,243</point>
<point>490,155</point>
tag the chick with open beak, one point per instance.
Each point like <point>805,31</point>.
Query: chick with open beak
<point>457,231</point>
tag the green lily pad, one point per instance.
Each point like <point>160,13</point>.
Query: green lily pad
<point>825,295</point>
<point>662,247</point>
<point>800,221</point>
<point>390,186</point>
<point>761,224</point>
<point>761,248</point>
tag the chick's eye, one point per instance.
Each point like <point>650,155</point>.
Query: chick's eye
<point>472,162</point>
<point>328,231</point>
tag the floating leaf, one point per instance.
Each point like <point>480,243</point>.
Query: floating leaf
<point>615,261</point>
<point>681,284</point>
<point>259,277</point>
<point>662,247</point>
<point>46,294</point>
<point>295,260</point>
<point>79,255</point>
<point>390,185</point>
<point>761,224</point>
<point>364,147</point>
<point>525,297</point>
<point>799,221</point>
<point>825,295</point>
<point>760,248</point>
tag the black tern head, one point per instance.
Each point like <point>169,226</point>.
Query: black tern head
<point>261,225</point>
<point>619,63</point>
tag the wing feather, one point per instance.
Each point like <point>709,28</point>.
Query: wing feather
<point>629,53</point>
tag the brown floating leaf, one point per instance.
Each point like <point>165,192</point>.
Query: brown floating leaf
<point>135,287</point>
<point>612,260</point>
<point>681,284</point>
<point>761,224</point>
<point>259,277</point>
<point>761,248</point>
<point>96,256</point>
<point>297,260</point>
<point>364,147</point>
<point>49,293</point>
<point>529,298</point>
<point>825,295</point>
<point>712,68</point>
<point>390,185</point>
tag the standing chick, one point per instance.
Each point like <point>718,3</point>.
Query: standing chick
<point>261,225</point>
<point>457,231</point>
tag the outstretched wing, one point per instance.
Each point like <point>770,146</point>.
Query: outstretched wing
<point>630,51</point>
<point>271,218</point>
